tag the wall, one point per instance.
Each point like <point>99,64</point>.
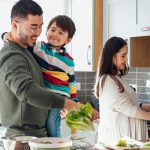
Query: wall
<point>137,76</point>
<point>86,80</point>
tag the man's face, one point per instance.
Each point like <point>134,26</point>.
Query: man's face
<point>28,30</point>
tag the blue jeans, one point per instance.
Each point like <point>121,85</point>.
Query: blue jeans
<point>53,123</point>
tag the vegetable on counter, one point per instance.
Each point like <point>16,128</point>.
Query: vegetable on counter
<point>147,143</point>
<point>122,142</point>
<point>81,118</point>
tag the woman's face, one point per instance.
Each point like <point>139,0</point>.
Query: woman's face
<point>120,59</point>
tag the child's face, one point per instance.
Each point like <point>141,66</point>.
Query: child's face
<point>57,37</point>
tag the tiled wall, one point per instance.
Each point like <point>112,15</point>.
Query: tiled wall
<point>86,80</point>
<point>137,76</point>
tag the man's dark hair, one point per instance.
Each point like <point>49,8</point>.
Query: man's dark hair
<point>65,23</point>
<point>22,8</point>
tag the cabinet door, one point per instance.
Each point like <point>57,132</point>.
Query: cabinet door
<point>122,18</point>
<point>82,47</point>
<point>143,19</point>
<point>50,10</point>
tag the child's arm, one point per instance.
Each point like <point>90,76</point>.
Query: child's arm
<point>3,35</point>
<point>6,36</point>
<point>73,90</point>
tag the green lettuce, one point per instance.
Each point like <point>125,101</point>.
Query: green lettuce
<point>81,118</point>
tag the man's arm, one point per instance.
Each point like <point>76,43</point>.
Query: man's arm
<point>16,74</point>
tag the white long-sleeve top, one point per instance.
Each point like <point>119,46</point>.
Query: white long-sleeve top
<point>118,113</point>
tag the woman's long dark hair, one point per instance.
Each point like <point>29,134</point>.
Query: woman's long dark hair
<point>106,66</point>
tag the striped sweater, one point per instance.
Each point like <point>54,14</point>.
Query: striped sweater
<point>57,68</point>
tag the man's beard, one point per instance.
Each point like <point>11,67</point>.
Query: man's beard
<point>34,43</point>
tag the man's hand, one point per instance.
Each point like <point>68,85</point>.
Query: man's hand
<point>70,104</point>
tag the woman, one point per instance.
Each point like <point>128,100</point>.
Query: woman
<point>120,112</point>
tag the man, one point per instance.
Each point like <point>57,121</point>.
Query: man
<point>24,101</point>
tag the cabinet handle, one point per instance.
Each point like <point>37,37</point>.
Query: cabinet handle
<point>145,28</point>
<point>88,61</point>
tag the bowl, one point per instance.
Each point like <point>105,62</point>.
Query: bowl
<point>17,142</point>
<point>50,143</point>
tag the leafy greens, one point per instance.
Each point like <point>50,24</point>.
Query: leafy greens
<point>81,118</point>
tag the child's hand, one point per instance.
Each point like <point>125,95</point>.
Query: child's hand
<point>63,113</point>
<point>7,37</point>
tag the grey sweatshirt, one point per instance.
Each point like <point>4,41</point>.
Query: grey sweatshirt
<point>24,101</point>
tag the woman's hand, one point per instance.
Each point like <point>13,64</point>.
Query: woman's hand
<point>145,107</point>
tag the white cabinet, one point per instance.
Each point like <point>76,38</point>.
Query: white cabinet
<point>120,15</point>
<point>120,20</point>
<point>81,12</point>
<point>50,10</point>
<point>129,18</point>
<point>143,17</point>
